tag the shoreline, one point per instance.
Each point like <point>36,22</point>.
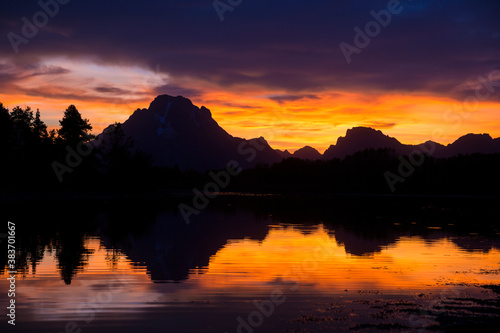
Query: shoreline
<point>7,196</point>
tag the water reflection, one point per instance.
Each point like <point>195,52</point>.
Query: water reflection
<point>125,264</point>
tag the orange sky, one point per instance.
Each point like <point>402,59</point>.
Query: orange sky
<point>316,120</point>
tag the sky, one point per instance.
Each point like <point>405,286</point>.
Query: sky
<point>298,73</point>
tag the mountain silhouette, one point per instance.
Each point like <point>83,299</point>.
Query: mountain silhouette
<point>473,143</point>
<point>283,154</point>
<point>307,153</point>
<point>174,132</point>
<point>361,138</point>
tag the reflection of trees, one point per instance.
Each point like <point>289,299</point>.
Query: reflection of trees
<point>112,258</point>
<point>30,250</point>
<point>70,251</point>
<point>170,248</point>
<point>35,255</point>
<point>71,254</point>
<point>56,237</point>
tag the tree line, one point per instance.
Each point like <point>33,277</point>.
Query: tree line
<point>35,158</point>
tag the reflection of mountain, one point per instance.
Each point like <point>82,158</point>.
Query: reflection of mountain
<point>358,244</point>
<point>365,225</point>
<point>476,243</point>
<point>170,248</point>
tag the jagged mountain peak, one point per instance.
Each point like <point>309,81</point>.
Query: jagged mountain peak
<point>473,143</point>
<point>179,112</point>
<point>283,154</point>
<point>174,131</point>
<point>359,139</point>
<point>471,137</point>
<point>366,134</point>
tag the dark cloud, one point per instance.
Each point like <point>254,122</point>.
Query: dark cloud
<point>379,124</point>
<point>175,90</point>
<point>292,46</point>
<point>233,105</point>
<point>112,90</point>
<point>291,98</point>
<point>75,94</point>
<point>21,71</point>
<point>50,70</point>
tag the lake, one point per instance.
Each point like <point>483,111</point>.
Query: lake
<point>255,264</point>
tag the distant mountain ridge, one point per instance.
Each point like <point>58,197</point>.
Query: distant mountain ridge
<point>362,138</point>
<point>174,132</point>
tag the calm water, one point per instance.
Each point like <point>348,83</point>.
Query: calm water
<point>134,268</point>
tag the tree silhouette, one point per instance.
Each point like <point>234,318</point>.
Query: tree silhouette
<point>119,159</point>
<point>22,122</point>
<point>117,147</point>
<point>52,136</point>
<point>39,128</point>
<point>73,127</point>
<point>5,131</point>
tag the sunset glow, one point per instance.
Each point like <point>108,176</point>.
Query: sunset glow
<point>249,166</point>
<point>285,121</point>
